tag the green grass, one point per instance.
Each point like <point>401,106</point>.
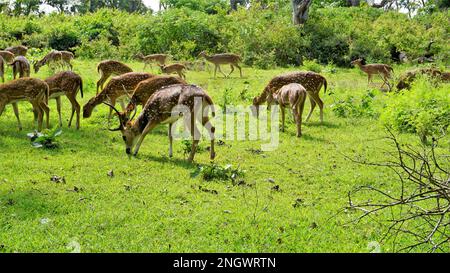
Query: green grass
<point>152,204</point>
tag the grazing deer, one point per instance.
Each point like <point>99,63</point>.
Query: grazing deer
<point>52,58</point>
<point>147,87</point>
<point>293,95</point>
<point>108,68</point>
<point>174,68</point>
<point>33,90</point>
<point>161,109</point>
<point>225,58</point>
<point>2,69</point>
<point>66,83</point>
<point>312,82</point>
<point>21,66</point>
<point>383,70</point>
<point>407,78</point>
<point>66,58</point>
<point>116,88</point>
<point>149,59</point>
<point>7,56</point>
<point>18,50</point>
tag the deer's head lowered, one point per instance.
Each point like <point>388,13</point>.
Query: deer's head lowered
<point>130,132</point>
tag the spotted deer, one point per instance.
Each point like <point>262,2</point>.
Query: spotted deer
<point>163,107</point>
<point>117,88</point>
<point>51,59</point>
<point>110,68</point>
<point>224,58</point>
<point>383,70</point>
<point>292,95</point>
<point>66,58</point>
<point>66,83</point>
<point>146,88</point>
<point>33,90</point>
<point>18,50</point>
<point>20,65</point>
<point>311,81</point>
<point>174,68</point>
<point>7,56</point>
<point>149,59</point>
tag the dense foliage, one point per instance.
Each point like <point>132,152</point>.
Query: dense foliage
<point>264,37</point>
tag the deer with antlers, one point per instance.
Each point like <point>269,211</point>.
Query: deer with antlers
<point>26,89</point>
<point>311,81</point>
<point>147,87</point>
<point>149,59</point>
<point>18,50</point>
<point>291,95</point>
<point>21,66</point>
<point>66,83</point>
<point>110,68</point>
<point>225,58</point>
<point>174,68</point>
<point>383,70</point>
<point>7,56</point>
<point>117,88</point>
<point>165,107</point>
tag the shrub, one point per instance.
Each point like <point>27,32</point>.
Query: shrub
<point>423,110</point>
<point>349,107</point>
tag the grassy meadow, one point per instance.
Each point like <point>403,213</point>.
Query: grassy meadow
<point>152,204</point>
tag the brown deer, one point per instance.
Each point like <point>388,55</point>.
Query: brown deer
<point>383,70</point>
<point>66,83</point>
<point>18,50</point>
<point>293,95</point>
<point>161,109</point>
<point>149,59</point>
<point>408,77</point>
<point>174,68</point>
<point>2,69</point>
<point>66,58</point>
<point>52,58</point>
<point>116,88</point>
<point>225,58</point>
<point>7,56</point>
<point>21,66</point>
<point>147,87</point>
<point>33,90</point>
<point>311,81</point>
<point>110,68</point>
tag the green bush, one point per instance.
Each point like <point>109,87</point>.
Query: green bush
<point>353,108</point>
<point>423,110</point>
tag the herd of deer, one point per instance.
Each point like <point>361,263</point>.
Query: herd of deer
<point>157,94</point>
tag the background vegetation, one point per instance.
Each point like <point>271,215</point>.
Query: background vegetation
<point>264,36</point>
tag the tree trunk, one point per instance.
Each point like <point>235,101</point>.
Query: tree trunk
<point>300,11</point>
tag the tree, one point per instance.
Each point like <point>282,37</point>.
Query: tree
<point>300,10</point>
<point>234,3</point>
<point>60,5</point>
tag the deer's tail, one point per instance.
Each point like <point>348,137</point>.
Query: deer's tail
<point>80,84</point>
<point>325,84</point>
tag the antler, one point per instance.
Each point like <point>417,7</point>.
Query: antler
<point>118,114</point>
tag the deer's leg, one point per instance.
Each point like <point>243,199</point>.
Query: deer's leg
<point>232,69</point>
<point>220,70</point>
<point>58,108</point>
<point>211,129</point>
<point>46,110</point>
<point>215,70</point>
<point>170,140</point>
<point>147,129</point>
<point>113,103</point>
<point>195,133</point>
<point>240,69</point>
<point>298,117</point>
<point>102,80</point>
<point>283,113</point>
<point>39,112</point>
<point>16,112</point>
<point>313,105</point>
<point>75,108</point>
